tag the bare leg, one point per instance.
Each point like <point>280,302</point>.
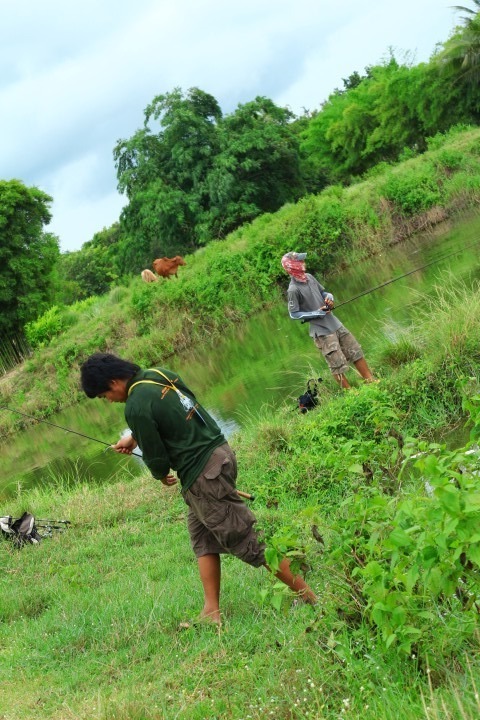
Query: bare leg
<point>210,574</point>
<point>295,582</point>
<point>364,370</point>
<point>342,381</point>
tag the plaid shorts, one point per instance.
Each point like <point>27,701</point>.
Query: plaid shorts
<point>339,350</point>
<point>218,520</point>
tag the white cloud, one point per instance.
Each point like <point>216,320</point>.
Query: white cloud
<point>75,78</point>
<point>77,202</point>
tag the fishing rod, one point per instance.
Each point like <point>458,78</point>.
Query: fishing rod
<point>245,495</point>
<point>60,427</point>
<point>410,272</point>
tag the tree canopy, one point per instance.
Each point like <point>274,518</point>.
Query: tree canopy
<point>461,52</point>
<point>257,169</point>
<point>192,174</point>
<point>200,174</point>
<point>394,107</point>
<point>27,255</point>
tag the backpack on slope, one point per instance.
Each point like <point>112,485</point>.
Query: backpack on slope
<point>309,399</point>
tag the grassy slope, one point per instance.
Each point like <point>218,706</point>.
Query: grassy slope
<point>229,280</point>
<point>90,618</point>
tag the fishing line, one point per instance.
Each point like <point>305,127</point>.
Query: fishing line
<point>410,272</point>
<point>60,427</point>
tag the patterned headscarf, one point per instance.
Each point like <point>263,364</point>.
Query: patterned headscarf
<point>294,264</point>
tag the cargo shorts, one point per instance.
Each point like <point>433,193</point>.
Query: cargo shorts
<point>218,520</point>
<point>339,350</point>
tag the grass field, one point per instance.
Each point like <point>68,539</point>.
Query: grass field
<point>91,619</point>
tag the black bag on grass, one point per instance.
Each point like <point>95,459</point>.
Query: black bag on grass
<point>309,399</point>
<point>21,531</point>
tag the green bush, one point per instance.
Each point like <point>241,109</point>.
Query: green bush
<point>413,189</point>
<point>415,561</point>
<point>322,226</point>
<point>450,159</point>
<point>142,301</point>
<point>231,279</point>
<point>55,321</point>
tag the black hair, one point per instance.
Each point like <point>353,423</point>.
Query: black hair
<point>98,371</point>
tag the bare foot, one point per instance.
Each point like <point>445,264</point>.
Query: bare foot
<point>213,616</point>
<point>202,621</point>
<point>308,597</point>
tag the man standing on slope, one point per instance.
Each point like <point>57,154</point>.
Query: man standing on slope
<point>175,432</point>
<point>309,301</point>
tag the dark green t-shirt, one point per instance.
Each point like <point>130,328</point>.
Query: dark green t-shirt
<point>173,431</point>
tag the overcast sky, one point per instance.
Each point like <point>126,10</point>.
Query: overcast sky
<point>75,77</point>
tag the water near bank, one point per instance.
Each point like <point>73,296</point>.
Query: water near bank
<point>265,362</point>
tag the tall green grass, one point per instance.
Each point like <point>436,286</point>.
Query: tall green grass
<point>91,627</point>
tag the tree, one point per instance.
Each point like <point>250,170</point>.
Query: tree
<point>396,106</point>
<point>336,138</point>
<point>189,136</point>
<point>471,13</point>
<point>258,168</point>
<point>84,273</point>
<point>92,270</point>
<point>202,174</point>
<point>27,255</point>
<point>160,220</point>
<point>461,52</point>
<point>164,174</point>
<point>353,81</point>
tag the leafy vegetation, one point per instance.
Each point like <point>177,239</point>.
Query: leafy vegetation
<point>203,174</point>
<point>461,52</point>
<point>383,523</point>
<point>231,279</point>
<point>359,493</point>
<point>192,174</point>
<point>93,270</point>
<point>27,255</point>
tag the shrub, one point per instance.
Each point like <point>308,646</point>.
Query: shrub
<point>414,189</point>
<point>55,321</point>
<point>141,303</point>
<point>415,560</point>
